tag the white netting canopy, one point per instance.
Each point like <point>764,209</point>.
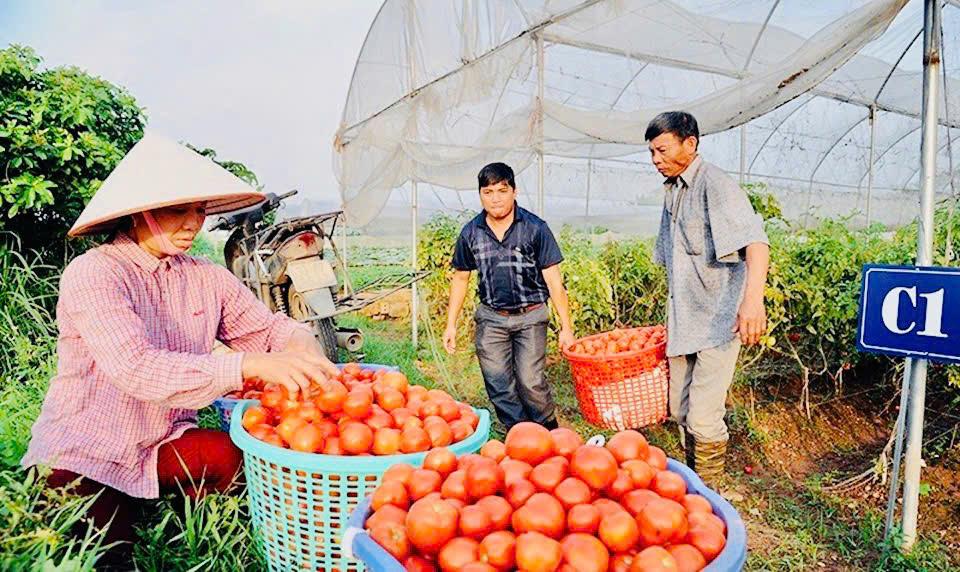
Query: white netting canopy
<point>792,94</point>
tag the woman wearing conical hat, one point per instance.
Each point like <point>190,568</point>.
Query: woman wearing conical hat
<point>137,321</point>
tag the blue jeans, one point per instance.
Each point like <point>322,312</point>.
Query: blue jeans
<point>512,353</point>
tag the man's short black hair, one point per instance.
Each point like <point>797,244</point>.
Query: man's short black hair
<point>680,123</point>
<point>496,173</point>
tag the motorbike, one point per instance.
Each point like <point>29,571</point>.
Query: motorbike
<point>288,266</point>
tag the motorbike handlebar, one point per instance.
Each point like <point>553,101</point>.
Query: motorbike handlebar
<point>255,212</point>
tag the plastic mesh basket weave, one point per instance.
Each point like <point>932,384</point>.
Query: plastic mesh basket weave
<point>300,502</point>
<point>622,391</point>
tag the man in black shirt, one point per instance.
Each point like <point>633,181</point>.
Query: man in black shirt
<point>516,257</point>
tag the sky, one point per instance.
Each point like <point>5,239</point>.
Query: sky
<point>262,83</point>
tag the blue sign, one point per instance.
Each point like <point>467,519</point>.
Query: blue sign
<point>910,311</point>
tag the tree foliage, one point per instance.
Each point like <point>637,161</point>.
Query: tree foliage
<point>61,133</point>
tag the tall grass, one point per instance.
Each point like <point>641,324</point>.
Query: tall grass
<point>38,524</point>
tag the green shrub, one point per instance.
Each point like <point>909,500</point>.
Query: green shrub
<point>61,133</point>
<point>812,294</point>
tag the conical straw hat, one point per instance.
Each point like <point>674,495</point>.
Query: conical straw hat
<point>159,172</point>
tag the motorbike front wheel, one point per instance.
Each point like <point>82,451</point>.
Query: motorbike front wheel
<point>325,331</point>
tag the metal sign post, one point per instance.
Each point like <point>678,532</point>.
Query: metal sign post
<point>928,173</point>
<point>903,309</point>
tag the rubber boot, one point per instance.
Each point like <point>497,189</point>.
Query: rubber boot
<point>687,444</point>
<point>709,457</point>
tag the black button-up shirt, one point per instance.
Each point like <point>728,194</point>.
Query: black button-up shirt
<point>510,272</point>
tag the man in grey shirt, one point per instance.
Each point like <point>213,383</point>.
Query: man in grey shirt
<point>716,253</point>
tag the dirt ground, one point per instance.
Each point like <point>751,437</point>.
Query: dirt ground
<point>843,437</point>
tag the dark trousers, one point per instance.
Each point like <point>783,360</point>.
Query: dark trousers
<point>200,461</point>
<point>512,354</point>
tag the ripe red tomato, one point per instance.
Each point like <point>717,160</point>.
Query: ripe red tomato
<point>628,445</point>
<point>529,442</point>
<point>641,473</point>
<point>620,486</point>
<point>688,558</point>
<point>399,472</point>
<point>519,491</point>
<point>696,503</point>
<point>707,539</point>
<point>455,486</point>
<point>396,381</point>
<point>431,523</point>
<point>565,441</point>
<point>457,553</point>
<point>585,553</point>
<point>595,466</point>
<point>583,518</point>
<point>423,482</point>
<point>498,549</point>
<point>654,559</point>
<point>414,440</point>
<point>513,469</point>
<point>499,510</point>
<point>572,491</point>
<point>441,460</point>
<point>541,513</point>
<point>484,477</point>
<point>390,492</point>
<point>393,538</point>
<point>357,404</point>
<point>475,522</point>
<point>707,518</point>
<point>387,513</point>
<point>356,438</point>
<point>669,485</point>
<point>619,531</point>
<point>546,476</point>
<point>538,553</point>
<point>254,416</point>
<point>494,449</point>
<point>656,458</point>
<point>661,521</point>
<point>307,439</point>
<point>386,441</point>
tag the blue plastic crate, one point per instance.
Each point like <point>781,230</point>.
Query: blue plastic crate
<point>731,559</point>
<point>300,502</point>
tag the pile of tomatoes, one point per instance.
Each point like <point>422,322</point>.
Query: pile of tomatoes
<point>543,501</point>
<point>620,342</point>
<point>252,389</point>
<point>362,412</point>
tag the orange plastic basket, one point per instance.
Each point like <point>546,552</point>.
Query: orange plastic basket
<point>622,391</point>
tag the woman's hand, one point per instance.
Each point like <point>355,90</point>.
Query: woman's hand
<point>295,370</point>
<point>304,342</point>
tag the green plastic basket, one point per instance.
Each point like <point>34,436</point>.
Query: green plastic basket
<point>301,502</point>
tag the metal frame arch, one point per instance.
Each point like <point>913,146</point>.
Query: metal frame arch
<point>826,154</point>
<point>775,129</point>
<point>834,146</point>
<point>756,41</point>
<point>889,148</point>
<point>947,142</point>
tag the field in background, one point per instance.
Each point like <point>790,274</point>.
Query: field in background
<point>793,523</point>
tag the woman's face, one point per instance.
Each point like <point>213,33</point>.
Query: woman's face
<point>179,224</point>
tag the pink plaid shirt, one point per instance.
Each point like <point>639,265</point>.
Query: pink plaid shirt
<point>134,364</point>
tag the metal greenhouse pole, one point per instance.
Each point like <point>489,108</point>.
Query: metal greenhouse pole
<point>540,73</point>
<point>873,139</point>
<point>414,326</point>
<point>414,204</point>
<point>928,162</point>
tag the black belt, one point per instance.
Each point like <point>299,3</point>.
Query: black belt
<point>518,311</point>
